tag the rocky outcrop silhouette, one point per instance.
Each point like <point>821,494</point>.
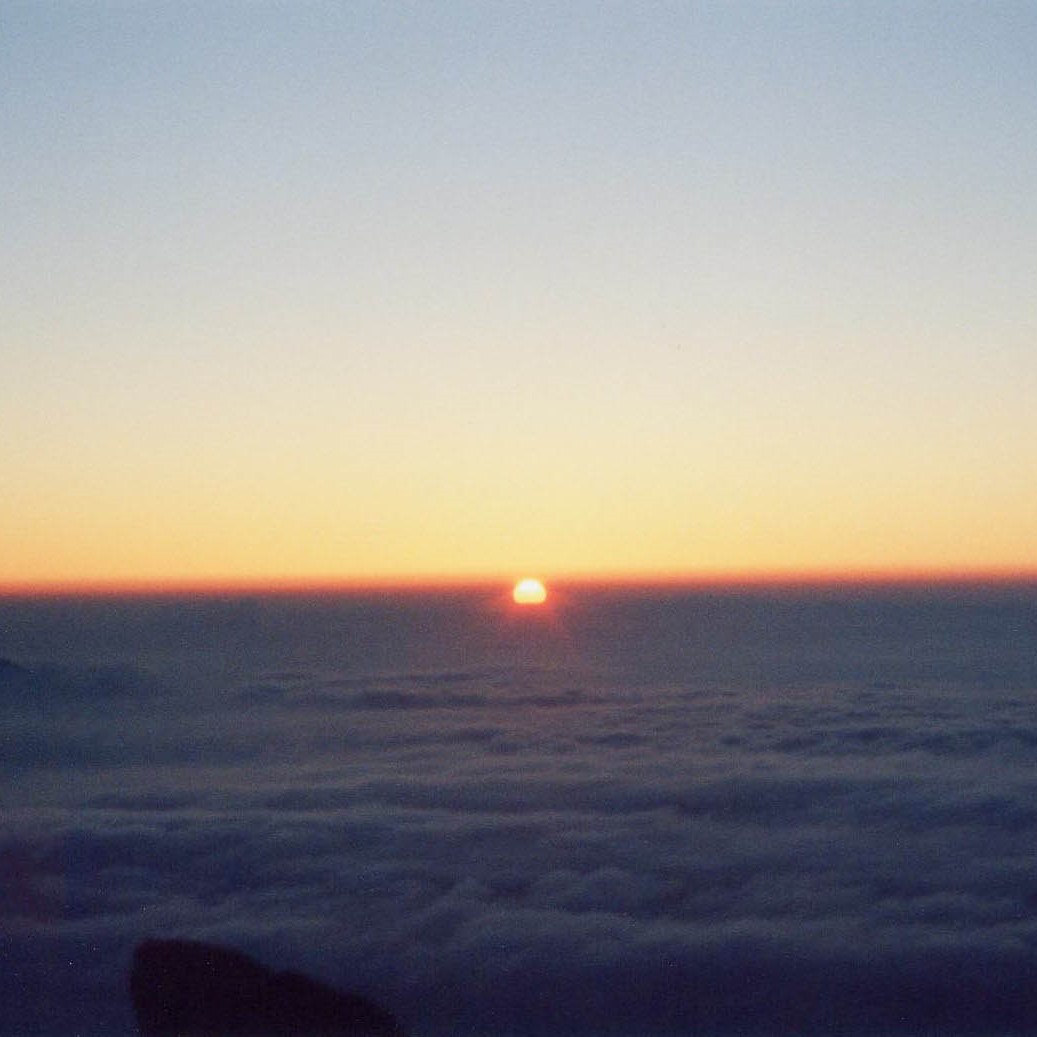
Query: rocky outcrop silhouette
<point>186,989</point>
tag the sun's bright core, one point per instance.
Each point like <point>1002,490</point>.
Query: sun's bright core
<point>529,592</point>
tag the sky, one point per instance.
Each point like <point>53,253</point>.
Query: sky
<point>387,291</point>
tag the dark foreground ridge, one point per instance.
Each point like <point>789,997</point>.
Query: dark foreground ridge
<point>186,989</point>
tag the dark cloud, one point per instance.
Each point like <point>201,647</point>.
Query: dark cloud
<point>539,850</point>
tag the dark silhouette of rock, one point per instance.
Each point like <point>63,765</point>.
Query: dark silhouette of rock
<point>187,989</point>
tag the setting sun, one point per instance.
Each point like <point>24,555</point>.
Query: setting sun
<point>529,592</point>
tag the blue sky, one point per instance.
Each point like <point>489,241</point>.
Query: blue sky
<point>314,290</point>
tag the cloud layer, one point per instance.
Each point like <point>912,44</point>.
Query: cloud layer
<point>621,842</point>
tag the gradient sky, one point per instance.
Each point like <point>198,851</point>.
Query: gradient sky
<point>371,290</point>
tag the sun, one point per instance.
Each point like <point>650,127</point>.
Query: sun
<point>529,592</point>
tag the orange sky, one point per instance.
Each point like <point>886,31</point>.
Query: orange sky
<point>314,300</point>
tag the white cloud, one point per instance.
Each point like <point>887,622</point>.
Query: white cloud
<point>494,847</point>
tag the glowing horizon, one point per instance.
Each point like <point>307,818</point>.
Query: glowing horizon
<point>501,584</point>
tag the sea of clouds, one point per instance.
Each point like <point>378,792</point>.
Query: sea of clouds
<point>646,815</point>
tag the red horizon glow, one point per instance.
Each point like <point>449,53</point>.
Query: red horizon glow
<point>429,583</point>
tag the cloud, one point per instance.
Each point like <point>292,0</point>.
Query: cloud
<point>536,850</point>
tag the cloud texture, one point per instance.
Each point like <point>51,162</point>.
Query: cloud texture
<point>665,814</point>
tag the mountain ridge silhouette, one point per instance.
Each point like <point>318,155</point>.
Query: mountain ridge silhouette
<point>186,988</point>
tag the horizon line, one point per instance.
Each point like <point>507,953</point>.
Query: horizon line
<point>726,579</point>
